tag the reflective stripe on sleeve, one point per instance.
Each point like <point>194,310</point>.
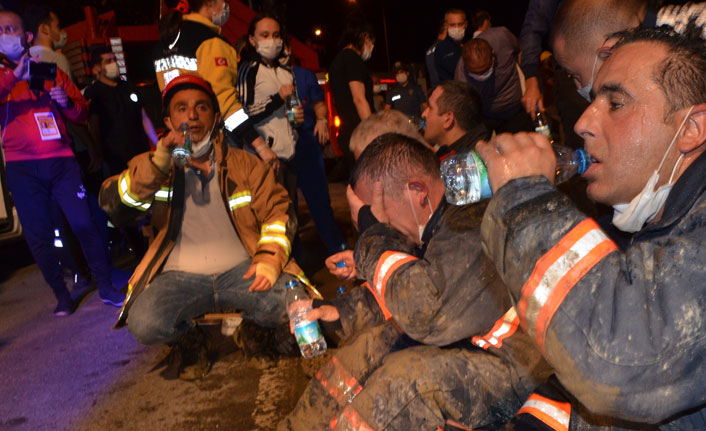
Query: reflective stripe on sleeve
<point>503,328</point>
<point>338,381</point>
<point>557,272</point>
<point>239,200</point>
<point>277,227</point>
<point>236,119</point>
<point>554,414</point>
<point>282,240</point>
<point>388,263</point>
<point>126,196</point>
<point>164,194</point>
<point>350,420</point>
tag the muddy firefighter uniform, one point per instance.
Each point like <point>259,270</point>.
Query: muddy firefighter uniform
<point>442,293</point>
<point>200,49</point>
<point>258,208</point>
<point>622,323</point>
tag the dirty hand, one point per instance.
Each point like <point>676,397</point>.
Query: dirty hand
<point>321,130</point>
<point>22,70</point>
<point>532,97</point>
<point>515,156</point>
<point>59,96</point>
<point>348,272</point>
<point>286,90</point>
<point>261,283</point>
<point>326,313</point>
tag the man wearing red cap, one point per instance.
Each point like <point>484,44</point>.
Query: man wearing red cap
<point>223,226</point>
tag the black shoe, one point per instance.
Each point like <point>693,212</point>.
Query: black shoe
<point>112,297</point>
<point>64,308</point>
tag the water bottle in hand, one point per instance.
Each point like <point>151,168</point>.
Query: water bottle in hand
<point>308,333</point>
<point>466,177</point>
<point>181,155</point>
<point>292,104</point>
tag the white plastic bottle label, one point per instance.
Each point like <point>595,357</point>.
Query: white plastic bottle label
<point>307,332</point>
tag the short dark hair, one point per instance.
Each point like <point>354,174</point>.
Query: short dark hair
<point>393,158</point>
<point>34,15</point>
<point>463,100</point>
<point>476,49</point>
<point>455,11</point>
<point>479,18</point>
<point>579,21</point>
<point>97,54</point>
<point>248,53</point>
<point>356,29</point>
<point>682,74</point>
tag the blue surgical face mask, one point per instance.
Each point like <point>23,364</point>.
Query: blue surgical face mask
<point>11,46</point>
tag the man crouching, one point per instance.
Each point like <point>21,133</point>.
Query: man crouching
<point>223,225</point>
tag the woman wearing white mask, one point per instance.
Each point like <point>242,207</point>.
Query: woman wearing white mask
<point>265,87</point>
<point>191,43</point>
<point>351,84</point>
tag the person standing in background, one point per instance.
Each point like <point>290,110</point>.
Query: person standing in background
<point>44,23</point>
<point>351,84</point>
<point>448,51</point>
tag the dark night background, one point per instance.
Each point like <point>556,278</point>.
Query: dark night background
<point>411,25</point>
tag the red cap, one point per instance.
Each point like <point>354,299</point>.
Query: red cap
<point>185,82</point>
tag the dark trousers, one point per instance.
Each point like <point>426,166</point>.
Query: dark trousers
<point>311,179</point>
<point>33,184</point>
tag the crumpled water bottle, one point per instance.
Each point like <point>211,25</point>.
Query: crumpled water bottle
<point>182,154</point>
<point>466,177</point>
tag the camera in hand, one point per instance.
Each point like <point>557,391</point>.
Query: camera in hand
<point>39,73</point>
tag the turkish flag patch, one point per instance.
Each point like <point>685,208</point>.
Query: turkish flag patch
<point>221,61</point>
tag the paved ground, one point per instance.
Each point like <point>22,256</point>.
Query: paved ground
<point>76,373</point>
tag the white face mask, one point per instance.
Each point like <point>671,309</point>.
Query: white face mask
<point>112,71</point>
<point>202,147</point>
<point>585,91</point>
<point>631,217</point>
<point>220,18</point>
<point>269,48</point>
<point>367,53</point>
<point>11,46</point>
<point>63,37</point>
<point>420,227</point>
<point>485,76</point>
<point>401,78</point>
<point>457,33</point>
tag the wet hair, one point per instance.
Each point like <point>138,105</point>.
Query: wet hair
<point>380,123</point>
<point>97,54</point>
<point>682,73</point>
<point>34,15</point>
<point>355,30</point>
<point>463,100</point>
<point>393,159</point>
<point>580,22</point>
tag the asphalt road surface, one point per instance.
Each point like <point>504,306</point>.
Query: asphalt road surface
<point>76,373</point>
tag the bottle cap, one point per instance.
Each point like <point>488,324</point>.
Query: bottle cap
<point>340,264</point>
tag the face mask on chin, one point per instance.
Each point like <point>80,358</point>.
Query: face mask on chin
<point>63,37</point>
<point>420,227</point>
<point>269,49</point>
<point>11,46</point>
<point>632,216</point>
<point>202,147</point>
<point>484,76</point>
<point>112,71</point>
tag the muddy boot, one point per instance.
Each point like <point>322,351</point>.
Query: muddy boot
<point>285,343</point>
<point>254,340</point>
<point>185,352</point>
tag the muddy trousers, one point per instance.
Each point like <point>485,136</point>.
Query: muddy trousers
<point>418,388</point>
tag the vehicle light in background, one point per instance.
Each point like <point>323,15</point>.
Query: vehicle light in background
<point>336,121</point>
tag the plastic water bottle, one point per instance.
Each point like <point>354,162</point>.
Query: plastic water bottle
<point>541,126</point>
<point>308,333</point>
<point>292,104</point>
<point>466,177</point>
<point>181,155</point>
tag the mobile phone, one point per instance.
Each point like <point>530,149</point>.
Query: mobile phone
<point>39,73</point>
